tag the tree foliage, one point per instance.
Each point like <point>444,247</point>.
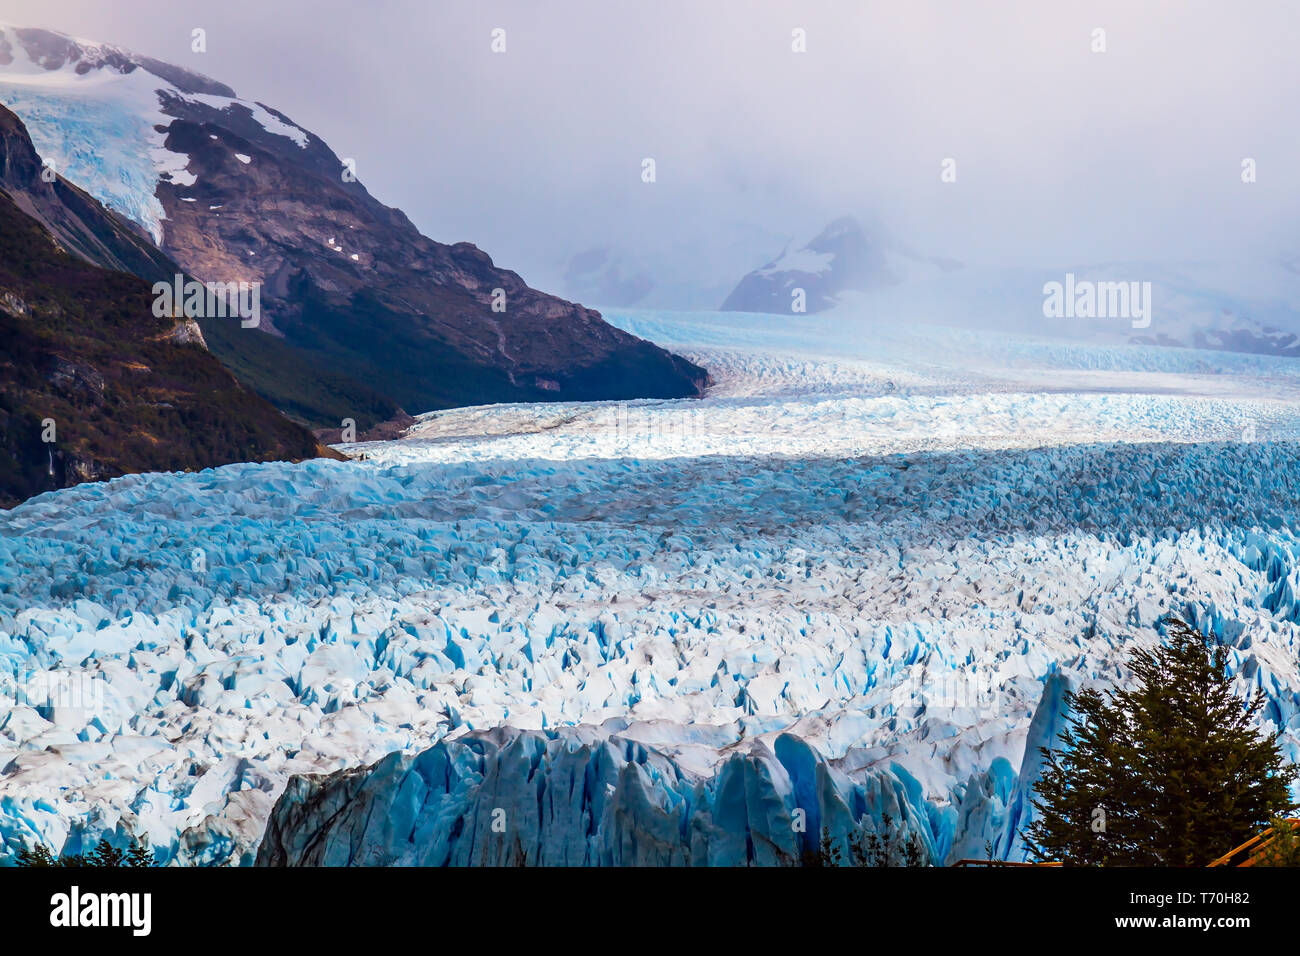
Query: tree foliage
<point>1282,847</point>
<point>1170,772</point>
<point>104,855</point>
<point>892,845</point>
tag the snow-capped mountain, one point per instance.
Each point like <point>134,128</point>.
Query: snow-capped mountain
<point>1247,306</point>
<point>850,582</point>
<point>1228,332</point>
<point>841,258</point>
<point>93,384</point>
<point>80,223</point>
<point>234,191</point>
<point>686,268</point>
<point>95,112</point>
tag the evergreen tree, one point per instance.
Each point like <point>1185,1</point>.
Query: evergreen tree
<point>1170,772</point>
<point>104,855</point>
<point>1282,846</point>
<point>826,854</point>
<point>897,847</point>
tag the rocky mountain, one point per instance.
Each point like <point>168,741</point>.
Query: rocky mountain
<point>676,265</point>
<point>1230,333</point>
<point>351,292</point>
<point>839,259</point>
<point>78,222</point>
<point>822,269</point>
<point>92,384</point>
<point>1243,307</point>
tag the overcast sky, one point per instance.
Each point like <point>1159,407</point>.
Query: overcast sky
<point>1062,154</point>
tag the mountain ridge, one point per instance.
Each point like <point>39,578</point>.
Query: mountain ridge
<point>244,194</point>
<point>93,384</point>
<point>81,224</point>
<point>841,258</point>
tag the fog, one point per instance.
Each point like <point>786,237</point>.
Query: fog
<point>1062,155</point>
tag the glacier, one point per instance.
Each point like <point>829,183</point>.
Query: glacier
<point>854,579</point>
<point>100,115</point>
<point>99,131</point>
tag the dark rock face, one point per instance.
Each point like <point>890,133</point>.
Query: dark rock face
<point>360,297</point>
<point>92,384</point>
<point>839,258</point>
<point>80,224</point>
<point>353,282</point>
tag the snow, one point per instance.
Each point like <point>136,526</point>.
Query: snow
<point>105,130</point>
<point>874,550</point>
<point>98,129</point>
<point>801,261</point>
<point>244,158</point>
<point>173,166</point>
<point>261,115</point>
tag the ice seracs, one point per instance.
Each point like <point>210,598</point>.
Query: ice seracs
<point>850,580</point>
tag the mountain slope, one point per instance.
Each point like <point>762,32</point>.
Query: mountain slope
<point>1244,306</point>
<point>822,269</point>
<point>92,384</point>
<point>839,259</point>
<point>80,224</point>
<point>234,191</point>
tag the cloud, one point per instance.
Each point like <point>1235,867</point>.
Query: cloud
<point>1063,155</point>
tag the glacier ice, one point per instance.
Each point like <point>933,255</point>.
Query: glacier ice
<point>105,127</point>
<point>854,579</point>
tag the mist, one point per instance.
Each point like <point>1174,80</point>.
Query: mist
<point>1063,154</point>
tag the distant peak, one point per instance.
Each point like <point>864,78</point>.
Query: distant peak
<point>51,50</point>
<point>840,227</point>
